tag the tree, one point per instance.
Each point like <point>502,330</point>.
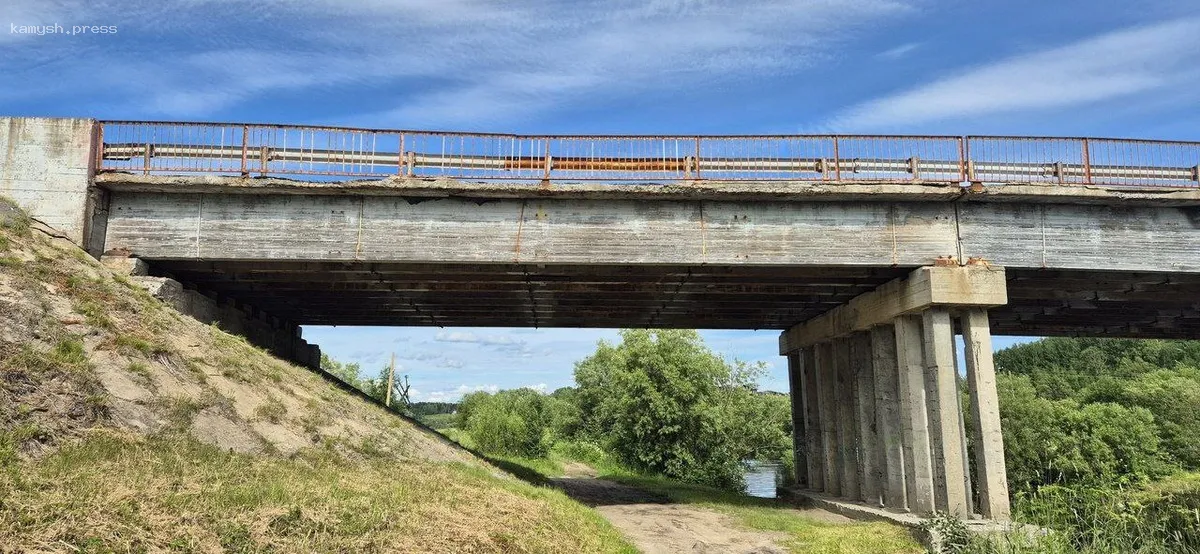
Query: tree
<point>664,403</point>
<point>349,373</point>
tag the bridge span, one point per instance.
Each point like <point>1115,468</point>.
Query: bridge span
<point>868,253</point>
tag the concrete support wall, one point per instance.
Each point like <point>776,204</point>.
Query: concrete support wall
<point>45,167</point>
<point>898,435</point>
<point>800,429</point>
<point>811,392</point>
<point>991,479</point>
<point>280,338</point>
<point>846,418</point>
<point>827,390</point>
<point>869,448</point>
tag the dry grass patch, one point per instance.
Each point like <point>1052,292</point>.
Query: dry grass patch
<point>115,493</point>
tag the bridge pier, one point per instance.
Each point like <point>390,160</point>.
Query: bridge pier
<point>876,384</point>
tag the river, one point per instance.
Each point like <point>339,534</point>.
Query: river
<point>762,478</point>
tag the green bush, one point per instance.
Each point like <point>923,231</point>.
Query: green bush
<point>664,404</point>
<point>512,422</point>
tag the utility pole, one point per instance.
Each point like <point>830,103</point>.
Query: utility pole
<point>391,379</point>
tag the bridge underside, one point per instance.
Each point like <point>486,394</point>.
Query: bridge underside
<point>1041,302</point>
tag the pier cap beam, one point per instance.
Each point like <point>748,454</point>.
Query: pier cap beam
<point>977,286</point>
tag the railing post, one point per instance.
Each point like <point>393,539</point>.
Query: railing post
<point>98,144</point>
<point>245,144</point>
<point>263,154</point>
<point>697,157</point>
<point>837,161</point>
<point>146,154</point>
<point>549,162</point>
<point>1087,163</point>
<point>400,157</point>
<point>965,170</point>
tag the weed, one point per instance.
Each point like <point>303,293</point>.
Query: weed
<point>70,355</point>
<point>95,314</point>
<point>140,369</point>
<point>272,410</point>
<point>948,534</point>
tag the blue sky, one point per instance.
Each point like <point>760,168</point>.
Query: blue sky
<point>1097,68</point>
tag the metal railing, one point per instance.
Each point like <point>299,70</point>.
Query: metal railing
<point>253,149</point>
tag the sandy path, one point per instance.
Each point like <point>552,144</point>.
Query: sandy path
<point>656,526</point>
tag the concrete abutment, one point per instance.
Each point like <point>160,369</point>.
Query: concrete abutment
<point>898,442</point>
<point>279,337</point>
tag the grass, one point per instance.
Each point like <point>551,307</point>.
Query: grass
<point>272,410</point>
<point>116,493</point>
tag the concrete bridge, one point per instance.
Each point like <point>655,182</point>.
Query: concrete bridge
<point>868,253</point>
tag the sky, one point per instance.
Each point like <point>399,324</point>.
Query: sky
<point>1070,68</point>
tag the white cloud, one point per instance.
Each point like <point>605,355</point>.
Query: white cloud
<point>1110,66</point>
<point>899,51</point>
<point>457,62</point>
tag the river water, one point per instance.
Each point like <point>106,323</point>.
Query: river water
<point>762,478</point>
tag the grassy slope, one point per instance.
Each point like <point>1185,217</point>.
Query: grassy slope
<point>127,427</point>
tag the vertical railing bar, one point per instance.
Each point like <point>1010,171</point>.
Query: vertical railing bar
<point>245,145</point>
<point>837,159</point>
<point>1087,163</point>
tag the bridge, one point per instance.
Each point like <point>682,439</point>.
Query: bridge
<point>868,253</point>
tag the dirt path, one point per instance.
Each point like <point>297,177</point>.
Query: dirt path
<point>656,526</point>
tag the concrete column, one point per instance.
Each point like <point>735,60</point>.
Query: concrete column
<point>799,430</point>
<point>962,434</point>
<point>918,477</point>
<point>889,419</point>
<point>812,418</point>
<point>990,477</point>
<point>827,406</point>
<point>847,421</point>
<point>869,446</point>
<point>950,492</point>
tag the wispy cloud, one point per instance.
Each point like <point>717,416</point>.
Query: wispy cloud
<point>1110,66</point>
<point>449,62</point>
<point>899,51</point>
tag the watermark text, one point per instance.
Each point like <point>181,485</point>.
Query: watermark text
<point>58,29</point>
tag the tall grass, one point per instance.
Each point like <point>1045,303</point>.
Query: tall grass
<point>115,493</point>
<point>1160,518</point>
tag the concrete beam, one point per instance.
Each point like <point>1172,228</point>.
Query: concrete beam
<point>870,448</point>
<point>888,415</point>
<point>918,468</point>
<point>827,386</point>
<point>813,425</point>
<point>979,286</point>
<point>941,379</point>
<point>991,478</point>
<point>800,429</point>
<point>846,419</point>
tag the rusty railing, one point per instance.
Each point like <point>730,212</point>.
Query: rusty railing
<point>320,152</point>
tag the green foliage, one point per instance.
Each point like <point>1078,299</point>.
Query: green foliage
<point>1061,441</point>
<point>1089,426</point>
<point>350,373</point>
<point>949,534</point>
<point>511,422</point>
<point>665,404</point>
